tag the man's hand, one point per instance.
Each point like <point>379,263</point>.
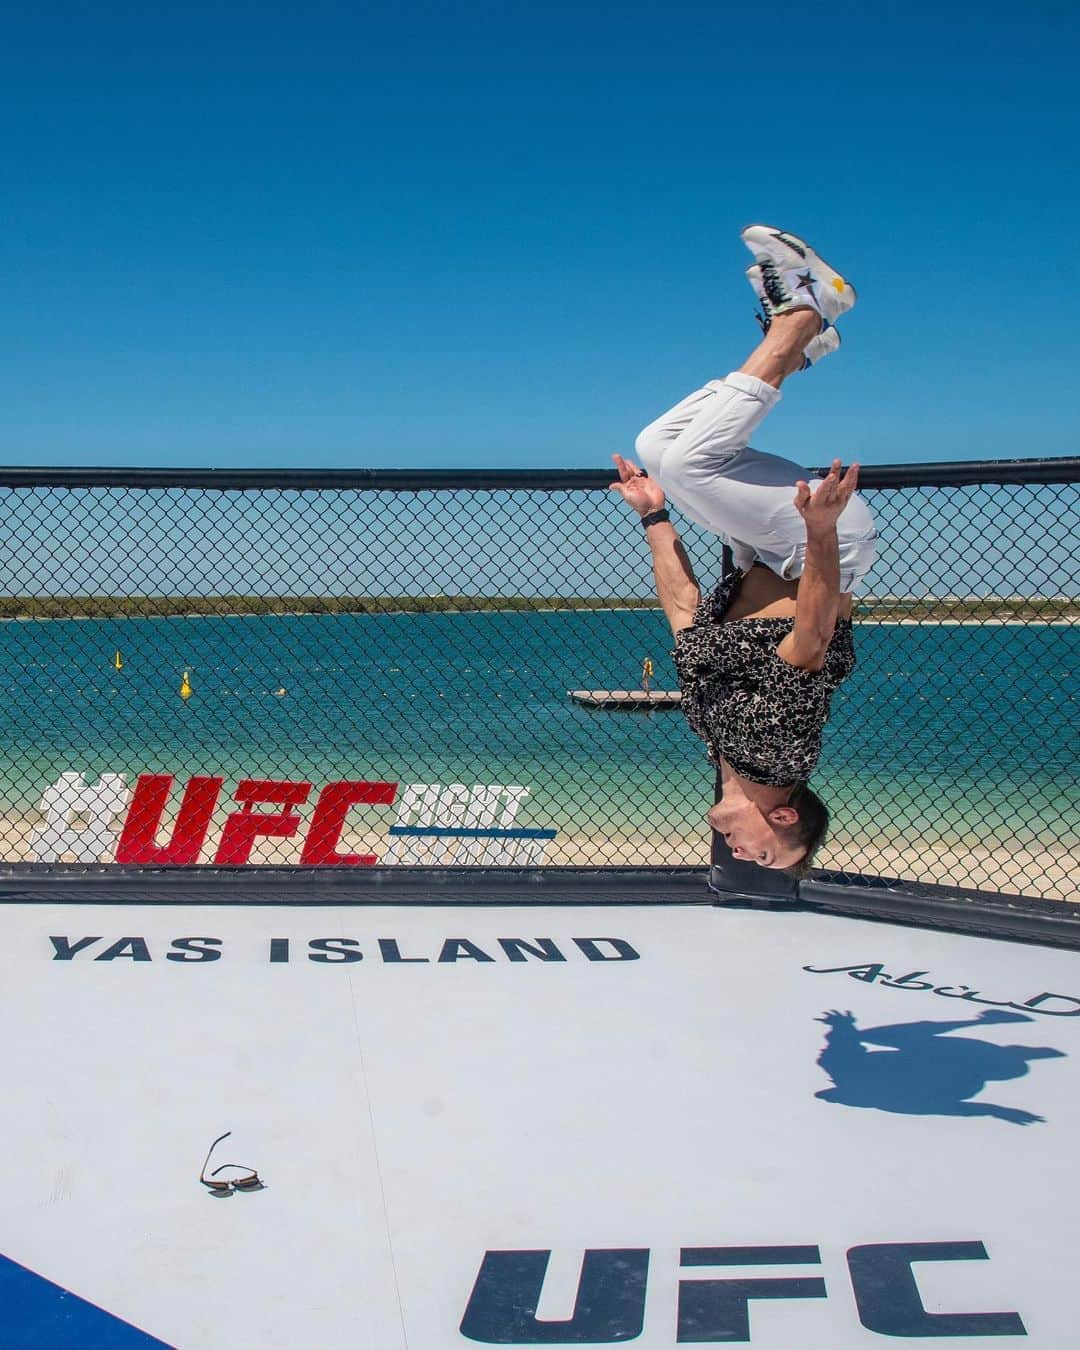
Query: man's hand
<point>644,494</point>
<point>821,509</point>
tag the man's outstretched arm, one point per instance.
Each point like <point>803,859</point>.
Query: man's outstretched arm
<point>817,604</point>
<point>676,585</point>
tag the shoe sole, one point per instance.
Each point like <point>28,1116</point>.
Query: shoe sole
<point>831,275</point>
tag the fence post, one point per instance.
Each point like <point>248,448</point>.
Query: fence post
<point>730,878</point>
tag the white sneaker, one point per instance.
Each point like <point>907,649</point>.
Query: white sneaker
<point>824,342</point>
<point>794,276</point>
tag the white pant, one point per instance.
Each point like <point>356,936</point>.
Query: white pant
<point>699,453</point>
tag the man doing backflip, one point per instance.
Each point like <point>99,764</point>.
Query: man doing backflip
<point>758,659</point>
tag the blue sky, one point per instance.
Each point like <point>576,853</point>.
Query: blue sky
<point>500,234</point>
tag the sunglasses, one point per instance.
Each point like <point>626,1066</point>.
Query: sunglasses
<point>225,1187</point>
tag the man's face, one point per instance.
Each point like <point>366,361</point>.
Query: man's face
<point>754,837</point>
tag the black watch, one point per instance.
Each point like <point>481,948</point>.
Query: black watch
<point>654,518</point>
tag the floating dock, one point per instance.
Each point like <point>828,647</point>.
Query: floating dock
<point>626,700</point>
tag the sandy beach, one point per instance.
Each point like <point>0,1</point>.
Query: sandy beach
<point>1046,872</point>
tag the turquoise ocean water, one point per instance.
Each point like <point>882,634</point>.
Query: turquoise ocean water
<point>958,731</point>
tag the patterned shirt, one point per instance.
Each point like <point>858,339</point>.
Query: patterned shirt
<point>762,714</point>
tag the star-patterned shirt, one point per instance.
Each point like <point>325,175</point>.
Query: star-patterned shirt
<point>762,714</point>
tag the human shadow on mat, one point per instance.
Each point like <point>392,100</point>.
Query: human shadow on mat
<point>922,1073</point>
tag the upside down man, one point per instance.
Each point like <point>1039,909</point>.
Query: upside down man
<point>759,658</point>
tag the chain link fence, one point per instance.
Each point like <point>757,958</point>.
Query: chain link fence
<point>357,668</point>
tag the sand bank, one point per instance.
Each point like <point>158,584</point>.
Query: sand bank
<point>1046,870</point>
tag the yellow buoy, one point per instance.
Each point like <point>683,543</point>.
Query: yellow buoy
<point>185,686</point>
<point>118,662</point>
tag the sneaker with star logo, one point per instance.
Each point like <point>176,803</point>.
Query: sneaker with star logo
<point>822,344</point>
<point>794,276</point>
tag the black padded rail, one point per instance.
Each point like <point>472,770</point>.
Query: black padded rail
<point>952,473</point>
<point>30,883</point>
<point>1013,918</point>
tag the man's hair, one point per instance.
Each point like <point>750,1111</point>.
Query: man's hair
<point>810,831</point>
